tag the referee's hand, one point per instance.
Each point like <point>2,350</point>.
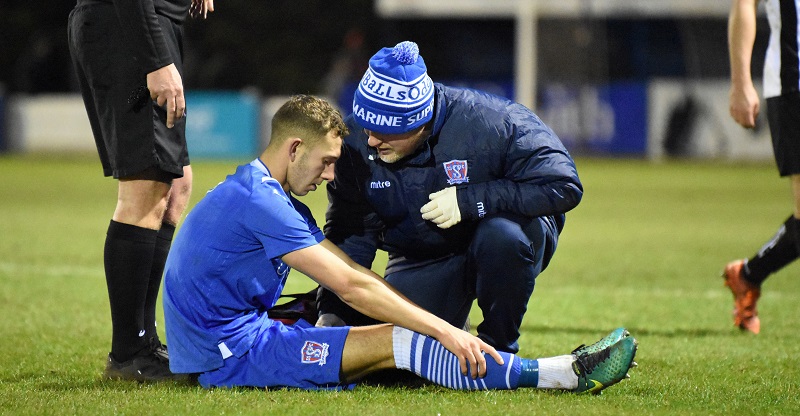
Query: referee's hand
<point>166,89</point>
<point>201,8</point>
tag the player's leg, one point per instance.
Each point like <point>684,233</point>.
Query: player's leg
<point>506,255</point>
<point>177,200</point>
<point>131,240</point>
<point>169,144</point>
<point>123,132</point>
<point>367,349</point>
<point>781,249</point>
<point>744,277</point>
<point>325,358</point>
<point>587,369</point>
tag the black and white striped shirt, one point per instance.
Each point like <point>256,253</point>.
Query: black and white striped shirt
<point>782,63</point>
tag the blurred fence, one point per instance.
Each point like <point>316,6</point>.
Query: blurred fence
<point>653,119</point>
<point>220,124</point>
<point>619,78</point>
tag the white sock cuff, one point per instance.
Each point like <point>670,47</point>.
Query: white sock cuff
<point>557,373</point>
<point>401,346</point>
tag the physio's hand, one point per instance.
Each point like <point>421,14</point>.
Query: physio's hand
<point>328,320</point>
<point>201,8</point>
<point>470,350</point>
<point>442,210</point>
<point>166,88</point>
<point>744,105</point>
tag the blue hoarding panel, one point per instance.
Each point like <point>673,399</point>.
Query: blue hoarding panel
<point>222,124</point>
<point>598,120</point>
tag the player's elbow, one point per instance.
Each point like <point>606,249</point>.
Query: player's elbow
<point>354,289</point>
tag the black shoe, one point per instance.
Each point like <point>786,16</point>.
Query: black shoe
<point>150,367</point>
<point>159,349</point>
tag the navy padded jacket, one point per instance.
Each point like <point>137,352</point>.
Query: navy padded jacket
<point>514,163</point>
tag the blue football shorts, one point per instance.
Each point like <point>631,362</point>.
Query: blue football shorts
<point>307,358</point>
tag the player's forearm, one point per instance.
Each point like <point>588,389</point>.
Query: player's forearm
<point>741,36</point>
<point>379,301</point>
<point>367,293</point>
<point>363,292</point>
<point>347,259</point>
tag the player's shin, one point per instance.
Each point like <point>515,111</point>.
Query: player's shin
<point>429,359</point>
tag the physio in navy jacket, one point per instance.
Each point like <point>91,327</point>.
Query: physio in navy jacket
<point>465,191</point>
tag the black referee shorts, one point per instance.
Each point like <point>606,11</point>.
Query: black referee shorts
<point>129,128</point>
<point>783,113</point>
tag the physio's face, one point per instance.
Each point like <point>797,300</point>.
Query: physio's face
<point>393,147</point>
<point>314,165</point>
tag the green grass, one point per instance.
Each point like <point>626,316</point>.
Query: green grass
<point>643,250</point>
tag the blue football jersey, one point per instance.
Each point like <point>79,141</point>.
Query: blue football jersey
<point>224,269</point>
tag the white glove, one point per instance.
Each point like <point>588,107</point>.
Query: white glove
<point>443,208</point>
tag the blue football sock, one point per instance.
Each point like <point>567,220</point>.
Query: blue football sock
<point>429,359</point>
<point>529,373</point>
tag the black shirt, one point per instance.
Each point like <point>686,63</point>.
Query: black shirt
<point>138,22</point>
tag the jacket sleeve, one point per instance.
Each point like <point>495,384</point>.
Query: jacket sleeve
<point>141,29</point>
<point>351,223</point>
<point>540,176</point>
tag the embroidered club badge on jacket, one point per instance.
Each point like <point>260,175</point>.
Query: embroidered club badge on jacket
<point>456,171</point>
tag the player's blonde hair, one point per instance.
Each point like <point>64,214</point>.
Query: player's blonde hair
<point>307,117</point>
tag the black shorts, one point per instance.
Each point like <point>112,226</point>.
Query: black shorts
<point>783,113</point>
<point>129,128</point>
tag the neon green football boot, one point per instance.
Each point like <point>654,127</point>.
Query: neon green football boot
<point>604,368</point>
<point>604,342</point>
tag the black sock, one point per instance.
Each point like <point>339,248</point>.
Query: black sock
<point>128,258</point>
<point>779,251</point>
<point>163,243</point>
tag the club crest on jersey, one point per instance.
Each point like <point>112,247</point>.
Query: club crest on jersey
<point>314,353</point>
<point>456,171</point>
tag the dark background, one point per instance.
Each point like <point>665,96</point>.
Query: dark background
<point>292,46</point>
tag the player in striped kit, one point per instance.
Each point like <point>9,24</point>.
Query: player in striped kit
<point>782,93</point>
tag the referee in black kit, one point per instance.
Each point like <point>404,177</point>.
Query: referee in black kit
<point>127,55</point>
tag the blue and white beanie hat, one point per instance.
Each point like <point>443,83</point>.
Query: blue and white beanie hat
<point>396,94</point>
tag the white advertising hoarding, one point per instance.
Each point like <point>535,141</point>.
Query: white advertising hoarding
<point>691,119</point>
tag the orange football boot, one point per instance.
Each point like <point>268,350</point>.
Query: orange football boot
<point>745,296</point>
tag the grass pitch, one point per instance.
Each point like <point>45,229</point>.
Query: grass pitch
<point>644,250</point>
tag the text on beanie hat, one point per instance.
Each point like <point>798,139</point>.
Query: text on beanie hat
<point>396,94</point>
